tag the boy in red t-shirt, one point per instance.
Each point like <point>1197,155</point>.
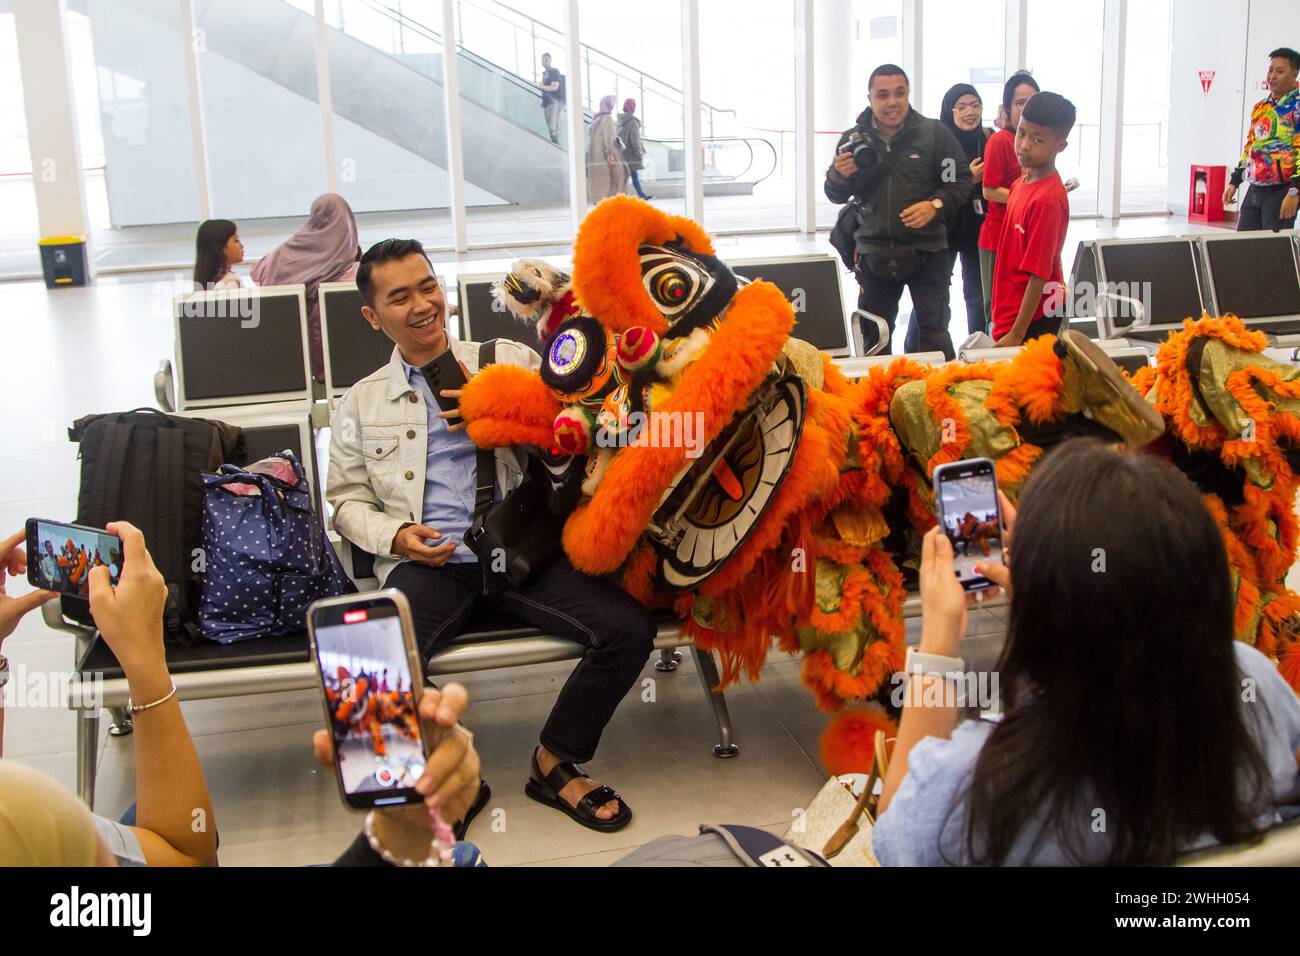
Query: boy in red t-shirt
<point>1027,275</point>
<point>1001,169</point>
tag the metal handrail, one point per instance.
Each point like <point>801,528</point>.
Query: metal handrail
<point>747,140</point>
<point>637,76</point>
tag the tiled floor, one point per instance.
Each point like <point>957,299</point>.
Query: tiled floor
<point>77,351</point>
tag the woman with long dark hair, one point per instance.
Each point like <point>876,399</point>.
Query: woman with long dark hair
<point>217,248</point>
<point>1134,727</point>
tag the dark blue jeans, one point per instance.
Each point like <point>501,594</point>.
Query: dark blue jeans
<point>636,183</point>
<point>616,630</point>
<point>1262,209</point>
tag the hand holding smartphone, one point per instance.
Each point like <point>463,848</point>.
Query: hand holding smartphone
<point>371,679</point>
<point>60,556</point>
<point>966,504</point>
<point>445,374</point>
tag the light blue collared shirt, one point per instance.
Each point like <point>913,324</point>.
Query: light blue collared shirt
<point>449,472</point>
<point>925,824</point>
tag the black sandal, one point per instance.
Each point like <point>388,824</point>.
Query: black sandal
<point>547,790</point>
<point>460,827</point>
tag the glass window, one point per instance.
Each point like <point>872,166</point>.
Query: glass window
<point>747,89</point>
<point>390,130</point>
<point>877,37</point>
<point>962,43</point>
<point>1072,69</point>
<point>1145,159</point>
<point>261,114</point>
<point>19,229</point>
<point>144,118</point>
<point>628,54</point>
<point>516,171</point>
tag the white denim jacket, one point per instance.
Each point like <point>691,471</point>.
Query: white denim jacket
<point>378,449</point>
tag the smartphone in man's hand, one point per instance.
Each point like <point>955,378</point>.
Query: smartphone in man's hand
<point>444,372</point>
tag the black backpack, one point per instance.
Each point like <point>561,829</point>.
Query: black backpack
<point>146,467</point>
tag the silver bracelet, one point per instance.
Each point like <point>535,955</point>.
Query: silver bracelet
<point>368,828</point>
<point>137,708</point>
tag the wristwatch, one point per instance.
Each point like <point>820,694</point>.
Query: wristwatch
<point>949,668</point>
<point>918,662</point>
<point>937,203</point>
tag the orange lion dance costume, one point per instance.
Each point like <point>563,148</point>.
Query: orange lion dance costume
<point>791,512</point>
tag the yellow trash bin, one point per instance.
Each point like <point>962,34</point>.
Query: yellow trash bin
<point>64,262</point>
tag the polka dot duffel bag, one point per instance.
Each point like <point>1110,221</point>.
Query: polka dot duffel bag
<point>265,554</point>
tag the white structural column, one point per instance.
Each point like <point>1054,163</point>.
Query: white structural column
<point>691,121</point>
<point>451,109</point>
<point>1114,30</point>
<point>1016,43</point>
<point>51,119</point>
<point>191,43</point>
<point>325,96</point>
<point>806,177</point>
<point>913,19</point>
<point>575,115</point>
<point>840,95</point>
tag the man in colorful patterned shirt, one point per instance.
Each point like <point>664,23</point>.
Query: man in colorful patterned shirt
<point>1269,160</point>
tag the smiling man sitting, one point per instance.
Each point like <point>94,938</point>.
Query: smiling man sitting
<point>402,483</point>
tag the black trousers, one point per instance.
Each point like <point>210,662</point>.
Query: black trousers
<point>1262,209</point>
<point>617,631</point>
<point>929,288</point>
<point>972,287</point>
<point>972,293</point>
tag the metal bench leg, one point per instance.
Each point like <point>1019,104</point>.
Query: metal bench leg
<point>87,754</point>
<point>708,671</point>
<point>122,723</point>
<point>669,658</point>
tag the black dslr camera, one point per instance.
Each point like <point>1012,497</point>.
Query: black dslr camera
<point>864,153</point>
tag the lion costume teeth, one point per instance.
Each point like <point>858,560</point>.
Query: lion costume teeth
<point>795,512</point>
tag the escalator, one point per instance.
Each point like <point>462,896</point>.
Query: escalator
<point>386,69</point>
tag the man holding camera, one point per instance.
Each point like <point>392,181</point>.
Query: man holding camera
<point>907,173</point>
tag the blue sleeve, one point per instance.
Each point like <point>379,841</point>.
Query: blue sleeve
<point>925,824</point>
<point>1278,731</point>
<point>121,841</point>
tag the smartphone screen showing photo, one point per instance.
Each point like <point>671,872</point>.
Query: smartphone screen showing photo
<point>371,703</point>
<point>967,495</point>
<point>61,556</point>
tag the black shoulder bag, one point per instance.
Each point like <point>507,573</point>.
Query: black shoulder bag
<point>518,535</point>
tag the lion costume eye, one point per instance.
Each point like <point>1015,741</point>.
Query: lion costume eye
<point>672,287</point>
<point>674,282</point>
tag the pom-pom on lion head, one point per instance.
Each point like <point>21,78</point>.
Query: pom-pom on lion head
<point>635,265</point>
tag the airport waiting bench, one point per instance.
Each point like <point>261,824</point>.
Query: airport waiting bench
<point>207,671</point>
